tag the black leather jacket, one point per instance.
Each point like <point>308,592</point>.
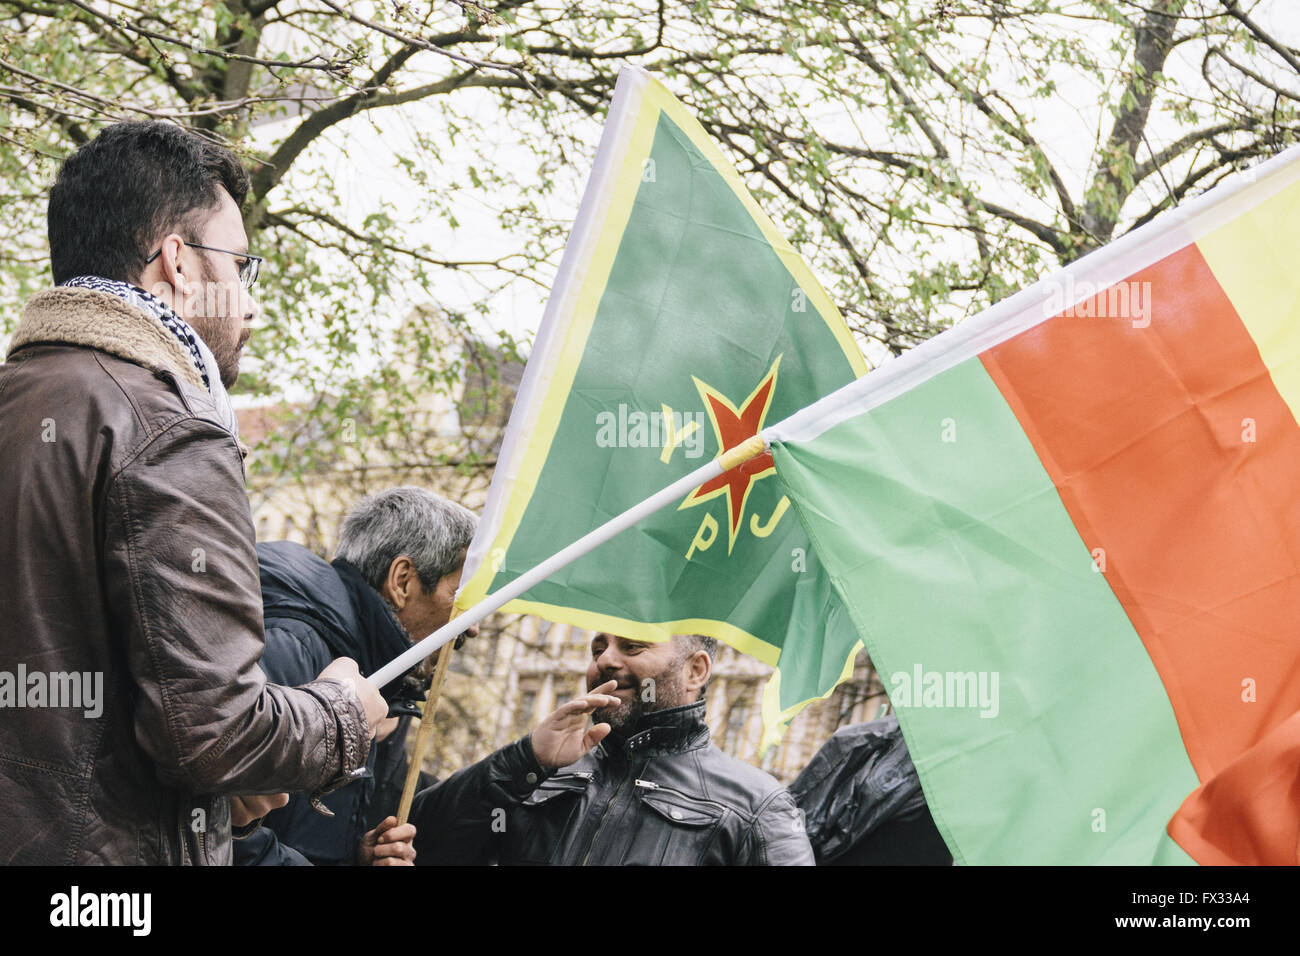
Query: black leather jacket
<point>662,796</point>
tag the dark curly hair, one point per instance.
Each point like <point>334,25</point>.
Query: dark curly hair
<point>127,188</point>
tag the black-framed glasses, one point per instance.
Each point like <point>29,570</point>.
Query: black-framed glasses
<point>248,269</point>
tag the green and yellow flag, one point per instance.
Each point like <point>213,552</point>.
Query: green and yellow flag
<point>680,324</point>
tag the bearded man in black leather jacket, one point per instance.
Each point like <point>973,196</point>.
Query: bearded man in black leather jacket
<point>643,786</point>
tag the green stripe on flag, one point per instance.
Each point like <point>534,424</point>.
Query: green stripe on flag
<point>1169,853</point>
<point>950,546</point>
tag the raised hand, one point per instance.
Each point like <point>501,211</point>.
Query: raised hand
<point>565,735</point>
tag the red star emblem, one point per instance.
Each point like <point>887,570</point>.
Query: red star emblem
<point>732,426</point>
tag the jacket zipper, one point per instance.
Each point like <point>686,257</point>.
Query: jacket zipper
<point>560,777</point>
<point>184,844</point>
<point>203,842</point>
<point>599,826</point>
<point>650,785</point>
<point>201,859</point>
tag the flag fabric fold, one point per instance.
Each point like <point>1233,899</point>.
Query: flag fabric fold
<point>679,324</point>
<point>1068,532</point>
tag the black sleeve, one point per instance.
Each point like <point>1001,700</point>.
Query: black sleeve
<point>263,848</point>
<point>294,653</point>
<point>460,820</point>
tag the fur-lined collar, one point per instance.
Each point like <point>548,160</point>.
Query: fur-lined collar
<point>100,320</point>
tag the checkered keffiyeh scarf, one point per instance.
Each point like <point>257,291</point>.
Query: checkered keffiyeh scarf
<point>200,354</point>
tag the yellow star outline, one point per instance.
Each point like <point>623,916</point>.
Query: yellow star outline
<point>732,426</point>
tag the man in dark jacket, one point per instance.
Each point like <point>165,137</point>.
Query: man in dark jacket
<point>395,573</point>
<point>654,791</point>
<point>126,547</point>
<point>863,801</point>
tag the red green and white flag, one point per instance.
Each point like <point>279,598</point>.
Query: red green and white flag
<point>1068,532</point>
<point>680,323</point>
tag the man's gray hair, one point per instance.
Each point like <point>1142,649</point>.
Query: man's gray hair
<point>691,643</point>
<point>688,644</point>
<point>427,528</point>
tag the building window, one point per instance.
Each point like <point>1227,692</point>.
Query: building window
<point>524,711</point>
<point>488,647</point>
<point>733,734</point>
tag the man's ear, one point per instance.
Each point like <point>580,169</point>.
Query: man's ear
<point>173,246</point>
<point>166,270</point>
<point>698,668</point>
<point>398,581</point>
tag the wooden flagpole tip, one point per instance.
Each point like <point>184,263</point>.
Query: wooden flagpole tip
<point>751,447</point>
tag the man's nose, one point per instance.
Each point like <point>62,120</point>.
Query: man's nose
<point>609,659</point>
<point>251,310</point>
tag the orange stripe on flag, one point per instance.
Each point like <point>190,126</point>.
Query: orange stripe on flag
<point>1248,814</point>
<point>1177,459</point>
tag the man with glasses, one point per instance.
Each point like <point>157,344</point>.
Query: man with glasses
<point>214,297</point>
<point>130,608</point>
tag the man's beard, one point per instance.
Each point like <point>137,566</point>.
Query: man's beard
<point>211,329</point>
<point>226,354</point>
<point>668,692</point>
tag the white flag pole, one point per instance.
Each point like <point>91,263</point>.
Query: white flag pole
<point>750,448</point>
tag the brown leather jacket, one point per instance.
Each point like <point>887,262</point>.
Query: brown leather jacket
<point>126,551</point>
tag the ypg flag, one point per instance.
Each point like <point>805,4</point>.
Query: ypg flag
<point>680,323</point>
<point>1068,531</point>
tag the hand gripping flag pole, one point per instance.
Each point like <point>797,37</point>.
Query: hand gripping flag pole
<point>423,736</point>
<point>752,447</point>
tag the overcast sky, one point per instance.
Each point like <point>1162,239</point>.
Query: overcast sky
<point>360,157</point>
